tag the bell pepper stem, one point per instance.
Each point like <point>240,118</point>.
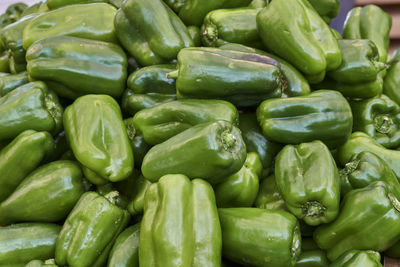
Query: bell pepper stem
<point>313,209</point>
<point>173,74</point>
<point>383,124</point>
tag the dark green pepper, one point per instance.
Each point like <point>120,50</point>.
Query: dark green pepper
<point>161,122</point>
<point>125,251</point>
<point>54,4</point>
<point>138,144</point>
<point>140,186</point>
<point>4,62</point>
<point>180,225</point>
<point>121,200</point>
<point>11,82</point>
<point>40,263</point>
<point>323,115</point>
<point>313,258</point>
<point>217,150</point>
<point>391,85</point>
<point>361,258</point>
<point>268,196</point>
<point>327,9</point>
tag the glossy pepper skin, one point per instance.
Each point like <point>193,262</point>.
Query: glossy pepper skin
<point>80,66</point>
<point>136,205</point>
<point>138,144</point>
<point>302,37</point>
<point>241,188</point>
<point>47,195</point>
<point>323,115</point>
<point>33,107</point>
<point>98,19</point>
<point>368,220</point>
<point>90,230</point>
<point>150,31</point>
<point>20,157</point>
<point>327,9</point>
<point>180,225</point>
<point>217,145</point>
<point>161,122</point>
<point>361,258</point>
<point>378,117</point>
<point>391,85</point>
<point>298,174</point>
<point>12,14</point>
<point>11,82</point>
<point>238,26</point>
<point>244,231</point>
<point>244,79</point>
<point>97,136</point>
<point>372,23</point>
<point>40,263</point>
<point>268,196</point>
<point>148,87</point>
<point>195,34</point>
<point>125,251</point>
<point>21,243</point>
<point>312,258</point>
<point>4,62</point>
<point>54,4</point>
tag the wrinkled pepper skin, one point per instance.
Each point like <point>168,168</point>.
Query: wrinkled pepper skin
<point>372,23</point>
<point>391,85</point>
<point>323,115</point>
<point>360,142</point>
<point>238,26</point>
<point>30,107</point>
<point>245,231</point>
<point>327,9</point>
<point>180,225</point>
<point>241,188</point>
<point>219,146</point>
<point>150,31</point>
<point>298,174</point>
<point>11,82</point>
<point>302,37</point>
<point>313,258</point>
<point>21,243</point>
<point>90,230</point>
<point>20,157</point>
<point>295,84</point>
<point>369,220</point>
<point>358,258</point>
<point>40,263</point>
<point>82,66</point>
<point>148,87</point>
<point>244,79</point>
<point>268,196</point>
<point>378,117</point>
<point>125,251</point>
<point>47,195</point>
<point>98,19</point>
<point>161,122</point>
<point>95,121</point>
<point>54,4</point>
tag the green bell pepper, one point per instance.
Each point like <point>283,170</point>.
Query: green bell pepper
<point>54,4</point>
<point>4,62</point>
<point>97,136</point>
<point>40,263</point>
<point>11,82</point>
<point>161,122</point>
<point>240,189</point>
<point>358,258</point>
<point>313,258</point>
<point>138,144</point>
<point>148,87</point>
<point>369,220</point>
<point>21,243</point>
<point>82,66</point>
<point>39,8</point>
<point>139,189</point>
<point>98,19</point>
<point>245,79</point>
<point>391,84</point>
<point>293,30</point>
<point>120,201</point>
<point>125,251</point>
<point>308,179</point>
<point>195,34</point>
<point>30,107</point>
<point>246,230</point>
<point>180,225</point>
<point>90,230</point>
<point>327,9</point>
<point>268,196</point>
<point>217,150</point>
<point>150,31</point>
<point>378,117</point>
<point>372,23</point>
<point>323,115</point>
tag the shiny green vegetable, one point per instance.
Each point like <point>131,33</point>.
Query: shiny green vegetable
<point>391,86</point>
<point>313,258</point>
<point>40,263</point>
<point>137,142</point>
<point>358,258</point>
<point>136,205</point>
<point>11,82</point>
<point>54,4</point>
<point>125,251</point>
<point>268,196</point>
<point>327,9</point>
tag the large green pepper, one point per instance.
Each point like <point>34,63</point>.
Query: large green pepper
<point>97,136</point>
<point>217,150</point>
<point>260,237</point>
<point>369,220</point>
<point>21,243</point>
<point>147,87</point>
<point>136,139</point>
<point>47,195</point>
<point>309,182</point>
<point>240,189</point>
<point>82,66</point>
<point>150,31</point>
<point>20,157</point>
<point>323,115</point>
<point>125,251</point>
<point>378,117</point>
<point>40,263</point>
<point>312,258</point>
<point>30,106</point>
<point>161,122</point>
<point>358,258</point>
<point>180,225</point>
<point>293,30</point>
<point>372,23</point>
<point>268,196</point>
<point>90,230</point>
<point>54,4</point>
<point>391,85</point>
<point>11,82</point>
<point>245,79</point>
<point>98,19</point>
<point>238,25</point>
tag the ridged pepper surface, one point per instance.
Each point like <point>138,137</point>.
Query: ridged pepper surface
<point>391,85</point>
<point>358,258</point>
<point>125,251</point>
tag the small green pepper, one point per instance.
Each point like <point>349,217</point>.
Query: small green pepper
<point>312,258</point>
<point>11,82</point>
<point>268,196</point>
<point>362,258</point>
<point>125,251</point>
